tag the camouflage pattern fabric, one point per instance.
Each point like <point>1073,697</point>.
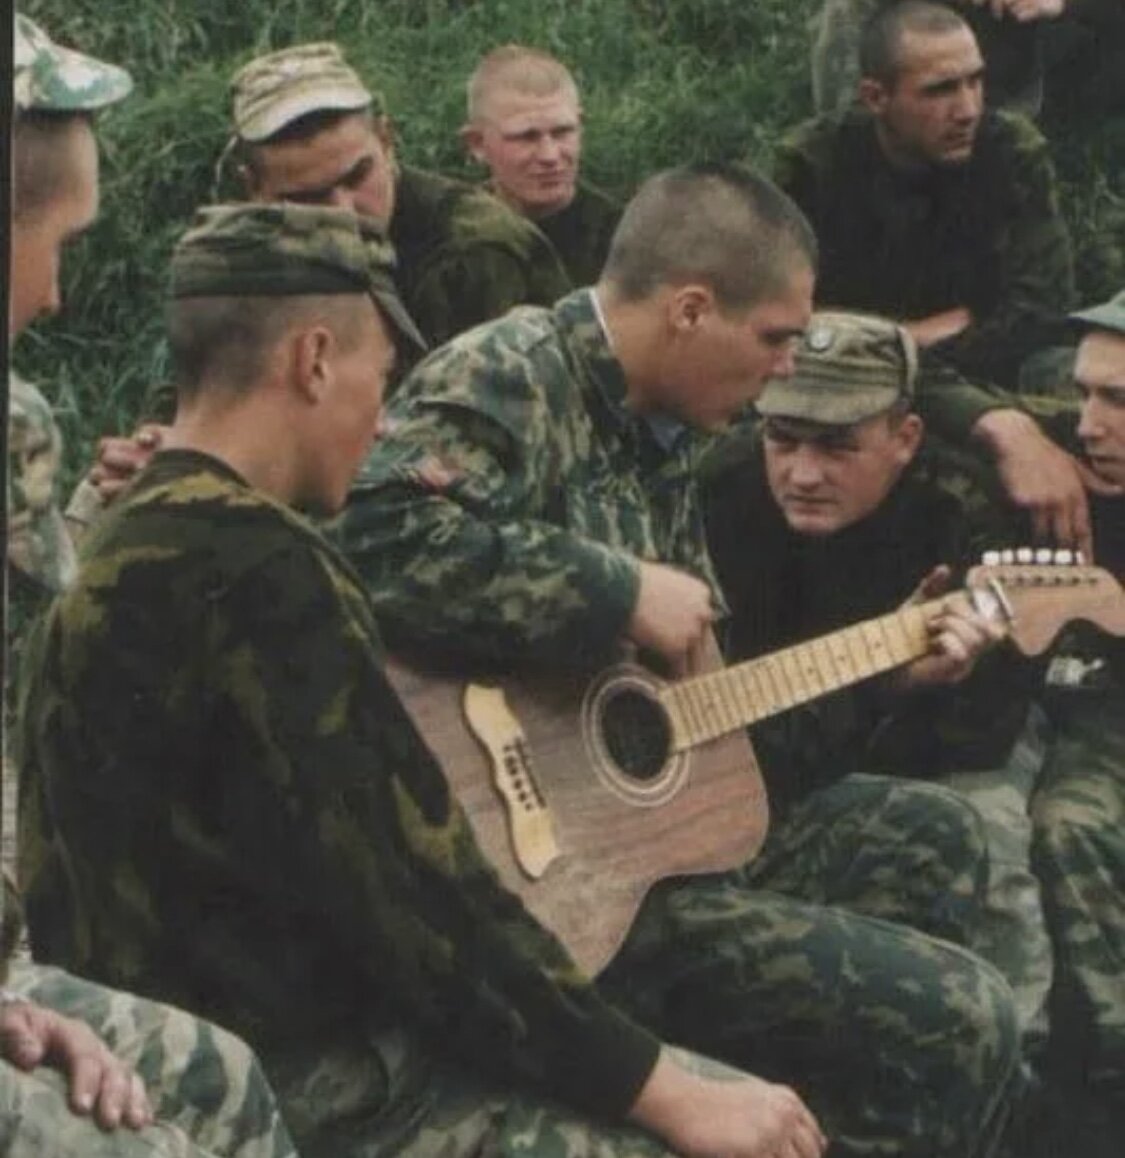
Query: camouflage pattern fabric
<point>813,965</point>
<point>48,77</point>
<point>987,235</point>
<point>208,1093</point>
<point>325,886</point>
<point>503,516</point>
<point>581,233</point>
<point>1078,848</point>
<point>465,257</point>
<point>37,541</point>
<point>783,587</point>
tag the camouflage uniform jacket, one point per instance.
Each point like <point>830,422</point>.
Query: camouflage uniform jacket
<point>783,588</point>
<point>503,515</point>
<point>581,233</point>
<point>987,235</point>
<point>40,554</point>
<point>231,809</point>
<point>464,257</point>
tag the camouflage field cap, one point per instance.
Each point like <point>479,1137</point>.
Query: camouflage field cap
<point>848,367</point>
<point>283,249</point>
<point>275,90</point>
<point>55,79</point>
<point>1108,316</point>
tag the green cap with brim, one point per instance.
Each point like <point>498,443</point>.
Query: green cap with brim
<point>49,78</point>
<point>847,368</point>
<point>277,250</point>
<point>275,90</point>
<point>1108,316</point>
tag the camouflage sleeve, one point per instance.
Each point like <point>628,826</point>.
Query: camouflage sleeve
<point>445,525</point>
<point>950,404</point>
<point>1036,271</point>
<point>460,288</point>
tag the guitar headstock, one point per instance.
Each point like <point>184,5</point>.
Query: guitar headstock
<point>1045,590</point>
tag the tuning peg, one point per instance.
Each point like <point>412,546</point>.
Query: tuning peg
<point>1064,557</point>
<point>990,558</point>
<point>1024,555</point>
<point>1007,556</point>
<point>1079,558</point>
<point>1044,555</point>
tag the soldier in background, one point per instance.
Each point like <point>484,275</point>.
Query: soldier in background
<point>525,125</point>
<point>308,130</point>
<point>1079,810</point>
<point>208,1094</point>
<point>1070,52</point>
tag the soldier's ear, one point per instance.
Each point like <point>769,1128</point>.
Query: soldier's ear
<point>688,307</point>
<point>473,140</point>
<point>312,352</point>
<point>873,95</point>
<point>908,437</point>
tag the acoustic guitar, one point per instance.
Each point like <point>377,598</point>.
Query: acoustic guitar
<point>584,791</point>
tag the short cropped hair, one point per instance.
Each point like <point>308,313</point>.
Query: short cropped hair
<point>42,164</point>
<point>225,342</point>
<point>724,225</point>
<point>527,70</point>
<point>880,41</point>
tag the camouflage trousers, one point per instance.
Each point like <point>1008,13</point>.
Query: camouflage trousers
<point>1012,930</point>
<point>209,1094</point>
<point>1079,853</point>
<point>795,968</point>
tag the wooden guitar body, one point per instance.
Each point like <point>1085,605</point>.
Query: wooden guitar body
<point>585,791</point>
<point>577,798</point>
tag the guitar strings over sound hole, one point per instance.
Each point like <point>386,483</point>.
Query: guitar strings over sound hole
<point>636,733</point>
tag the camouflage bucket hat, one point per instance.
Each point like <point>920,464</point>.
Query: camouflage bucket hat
<point>48,77</point>
<point>275,90</point>
<point>281,250</point>
<point>848,367</point>
<point>1108,316</point>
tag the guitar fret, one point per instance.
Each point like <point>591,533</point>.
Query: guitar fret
<point>805,656</point>
<point>765,689</point>
<point>727,710</point>
<point>825,665</point>
<point>749,691</point>
<point>876,645</point>
<point>793,673</point>
<point>898,644</point>
<point>858,650</point>
<point>697,708</point>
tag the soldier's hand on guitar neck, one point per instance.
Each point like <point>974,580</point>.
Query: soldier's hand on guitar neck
<point>959,635</point>
<point>672,615</point>
<point>739,1116</point>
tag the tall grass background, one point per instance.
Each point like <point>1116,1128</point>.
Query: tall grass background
<point>662,81</point>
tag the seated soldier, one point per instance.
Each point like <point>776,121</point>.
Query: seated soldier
<point>1071,48</point>
<point>525,124</point>
<point>533,505</point>
<point>1079,810</point>
<point>308,130</point>
<point>235,808</point>
<point>208,1095</point>
<point>929,208</point>
<point>835,511</point>
<point>260,830</point>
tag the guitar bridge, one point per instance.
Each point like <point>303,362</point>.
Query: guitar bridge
<point>529,819</point>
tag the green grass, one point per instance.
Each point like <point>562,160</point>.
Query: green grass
<point>662,81</point>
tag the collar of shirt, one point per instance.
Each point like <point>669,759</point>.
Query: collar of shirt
<point>665,430</point>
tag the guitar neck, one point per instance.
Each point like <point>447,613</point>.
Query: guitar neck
<point>706,707</point>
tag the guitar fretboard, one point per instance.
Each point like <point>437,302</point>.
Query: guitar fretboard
<point>705,707</point>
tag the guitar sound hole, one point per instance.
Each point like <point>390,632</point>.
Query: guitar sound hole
<point>636,734</point>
